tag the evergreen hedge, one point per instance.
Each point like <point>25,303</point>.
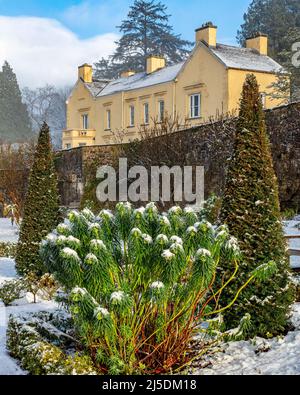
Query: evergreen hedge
<point>251,211</point>
<point>41,212</point>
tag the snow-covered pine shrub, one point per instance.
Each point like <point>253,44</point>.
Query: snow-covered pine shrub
<point>251,211</point>
<point>140,283</point>
<point>41,211</point>
<point>11,291</point>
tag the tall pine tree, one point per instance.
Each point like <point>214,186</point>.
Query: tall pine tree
<point>41,212</point>
<point>251,211</point>
<point>14,120</point>
<point>280,19</point>
<point>146,31</point>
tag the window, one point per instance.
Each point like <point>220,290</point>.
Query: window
<point>161,110</point>
<point>68,146</point>
<point>85,121</point>
<point>263,97</point>
<point>82,144</point>
<point>108,119</point>
<point>146,113</point>
<point>195,106</point>
<point>131,116</point>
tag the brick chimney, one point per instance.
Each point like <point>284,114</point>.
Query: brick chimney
<point>85,73</point>
<point>127,73</point>
<point>259,42</point>
<point>154,63</point>
<point>207,33</point>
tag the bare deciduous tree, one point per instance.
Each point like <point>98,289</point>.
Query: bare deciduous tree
<point>48,104</point>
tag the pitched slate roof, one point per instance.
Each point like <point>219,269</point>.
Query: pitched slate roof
<point>231,57</point>
<point>139,80</point>
<point>96,87</point>
<point>245,59</point>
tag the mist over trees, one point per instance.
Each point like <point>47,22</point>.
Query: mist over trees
<point>15,124</point>
<point>48,104</point>
<point>145,31</point>
<point>280,19</point>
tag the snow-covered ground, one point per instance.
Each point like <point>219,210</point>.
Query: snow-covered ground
<point>278,356</point>
<point>8,233</point>
<point>8,366</point>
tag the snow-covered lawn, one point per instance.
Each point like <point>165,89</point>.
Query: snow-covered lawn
<point>8,366</point>
<point>8,233</point>
<point>279,356</point>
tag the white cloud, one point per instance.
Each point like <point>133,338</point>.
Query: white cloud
<point>44,51</point>
<point>90,13</point>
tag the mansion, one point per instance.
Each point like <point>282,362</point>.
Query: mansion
<point>206,85</point>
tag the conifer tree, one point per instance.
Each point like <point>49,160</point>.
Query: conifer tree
<point>280,20</point>
<point>251,211</point>
<point>14,120</point>
<point>41,213</point>
<point>145,31</point>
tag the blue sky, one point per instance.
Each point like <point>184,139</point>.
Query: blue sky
<point>74,31</point>
<point>186,14</point>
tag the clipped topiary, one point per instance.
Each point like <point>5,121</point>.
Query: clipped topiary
<point>140,283</point>
<point>41,213</point>
<point>251,211</point>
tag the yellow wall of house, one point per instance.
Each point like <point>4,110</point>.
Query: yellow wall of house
<point>79,103</point>
<point>205,75</point>
<point>220,91</point>
<point>236,79</point>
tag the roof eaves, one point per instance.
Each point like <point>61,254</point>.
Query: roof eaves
<point>254,70</point>
<point>136,89</point>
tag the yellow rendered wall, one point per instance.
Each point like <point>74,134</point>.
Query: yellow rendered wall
<point>80,102</point>
<point>120,103</point>
<point>220,91</point>
<point>205,75</point>
<point>236,79</point>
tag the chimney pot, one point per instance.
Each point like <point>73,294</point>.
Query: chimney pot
<point>154,63</point>
<point>207,33</point>
<point>127,73</point>
<point>259,42</point>
<point>85,73</point>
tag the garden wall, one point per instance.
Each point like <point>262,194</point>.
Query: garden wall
<point>209,145</point>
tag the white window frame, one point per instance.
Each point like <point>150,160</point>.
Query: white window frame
<point>195,111</point>
<point>108,119</point>
<point>263,97</point>
<point>131,116</point>
<point>85,121</point>
<point>161,110</point>
<point>146,114</point>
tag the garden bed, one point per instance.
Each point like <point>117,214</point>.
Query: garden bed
<point>44,344</point>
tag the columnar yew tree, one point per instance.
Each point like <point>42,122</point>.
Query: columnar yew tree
<point>41,206</point>
<point>251,211</point>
